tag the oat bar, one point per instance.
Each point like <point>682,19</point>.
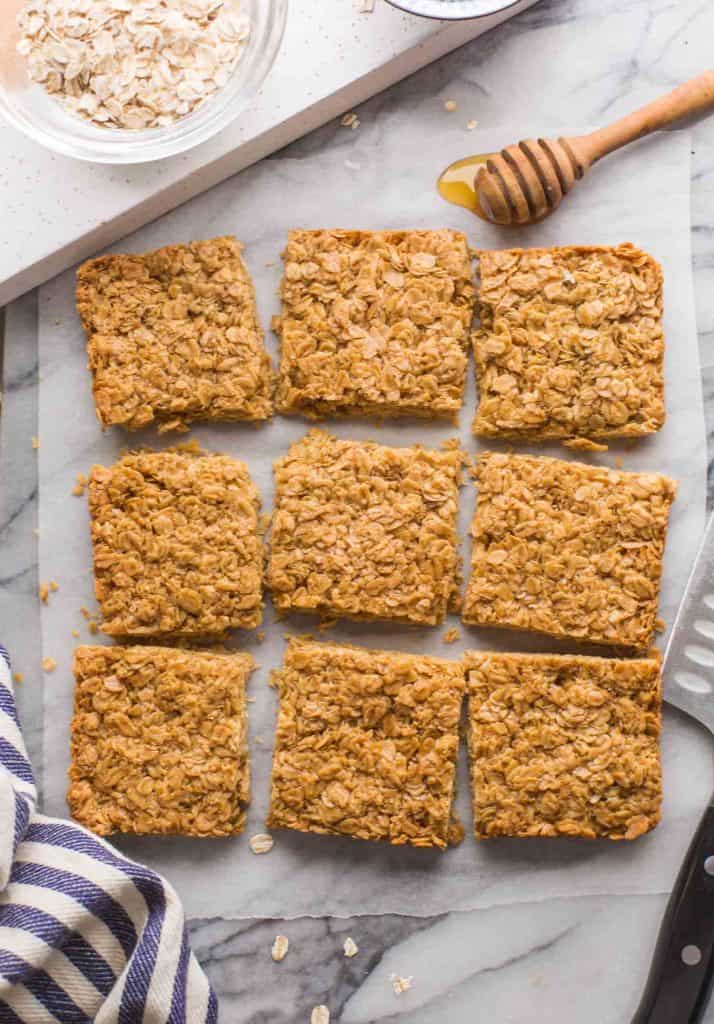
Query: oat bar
<point>567,549</point>
<point>176,544</point>
<point>563,745</point>
<point>374,323</point>
<point>173,336</point>
<point>570,344</point>
<point>159,741</point>
<point>364,531</point>
<point>366,743</point>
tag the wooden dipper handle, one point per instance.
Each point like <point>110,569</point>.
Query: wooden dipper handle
<point>693,97</point>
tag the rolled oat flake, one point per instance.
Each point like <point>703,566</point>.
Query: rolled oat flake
<point>132,63</point>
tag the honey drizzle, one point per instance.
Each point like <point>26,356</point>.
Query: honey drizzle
<point>457,183</point>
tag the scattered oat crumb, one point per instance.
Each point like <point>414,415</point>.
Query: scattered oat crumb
<point>280,948</point>
<point>350,121</point>
<point>618,462</point>
<point>261,843</point>
<point>75,632</point>
<point>366,6</point>
<point>54,586</point>
<point>44,592</point>
<point>660,625</point>
<point>350,947</point>
<point>80,486</point>
<point>35,443</point>
<point>250,700</point>
<point>93,626</point>
<point>49,664</point>
<point>18,677</point>
<point>584,444</point>
<point>470,125</point>
<point>400,984</point>
<point>85,612</point>
<point>320,1015</point>
<point>450,106</point>
<point>451,635</point>
<point>260,636</point>
<point>325,624</point>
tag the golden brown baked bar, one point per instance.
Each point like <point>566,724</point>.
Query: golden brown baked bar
<point>176,544</point>
<point>364,531</point>
<point>366,743</point>
<point>173,336</point>
<point>567,549</point>
<point>374,323</point>
<point>159,741</point>
<point>570,344</point>
<point>563,745</point>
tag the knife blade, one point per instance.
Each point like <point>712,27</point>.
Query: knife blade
<point>679,983</point>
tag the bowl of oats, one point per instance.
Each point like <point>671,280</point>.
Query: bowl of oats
<point>129,81</point>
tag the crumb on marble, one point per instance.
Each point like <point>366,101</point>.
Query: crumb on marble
<point>35,443</point>
<point>18,677</point>
<point>350,121</point>
<point>450,106</point>
<point>400,984</point>
<point>49,664</point>
<point>451,635</point>
<point>263,842</point>
<point>43,592</point>
<point>80,486</point>
<point>350,947</point>
<point>279,949</point>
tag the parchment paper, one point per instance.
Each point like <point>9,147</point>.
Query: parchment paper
<point>386,183</point>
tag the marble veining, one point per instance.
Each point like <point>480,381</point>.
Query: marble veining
<point>563,64</point>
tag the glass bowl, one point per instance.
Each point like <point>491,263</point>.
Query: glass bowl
<point>453,10</point>
<point>29,108</point>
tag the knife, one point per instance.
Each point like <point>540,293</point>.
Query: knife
<point>680,978</point>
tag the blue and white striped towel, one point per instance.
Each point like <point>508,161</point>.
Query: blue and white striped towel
<point>85,933</point>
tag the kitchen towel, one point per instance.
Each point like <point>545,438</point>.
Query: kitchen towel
<point>85,933</point>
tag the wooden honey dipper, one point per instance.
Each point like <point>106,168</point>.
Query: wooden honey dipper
<point>527,181</point>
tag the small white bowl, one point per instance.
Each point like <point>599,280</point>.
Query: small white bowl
<point>27,106</point>
<point>453,10</point>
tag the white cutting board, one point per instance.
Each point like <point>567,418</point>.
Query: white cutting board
<point>55,211</point>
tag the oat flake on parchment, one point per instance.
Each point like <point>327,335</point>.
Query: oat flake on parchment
<point>132,63</point>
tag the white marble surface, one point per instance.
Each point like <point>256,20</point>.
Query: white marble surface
<point>563,64</point>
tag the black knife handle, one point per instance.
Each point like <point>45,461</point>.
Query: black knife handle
<point>680,977</point>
